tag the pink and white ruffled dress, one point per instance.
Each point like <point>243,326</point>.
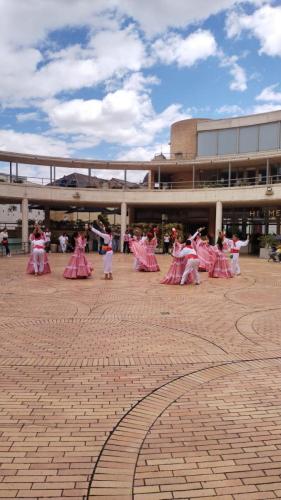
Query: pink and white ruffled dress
<point>204,252</point>
<point>176,269</point>
<point>144,253</point>
<point>78,266</point>
<point>220,266</point>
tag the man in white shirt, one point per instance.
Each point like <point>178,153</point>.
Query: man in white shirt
<point>63,242</point>
<point>234,246</point>
<point>192,263</point>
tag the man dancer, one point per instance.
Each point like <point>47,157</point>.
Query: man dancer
<point>234,246</point>
<point>192,263</point>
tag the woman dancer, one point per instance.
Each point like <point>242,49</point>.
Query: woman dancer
<point>220,265</point>
<point>30,265</point>
<point>38,252</point>
<point>106,250</point>
<point>78,266</point>
<point>177,267</point>
<point>137,237</point>
<point>204,251</point>
<point>144,253</point>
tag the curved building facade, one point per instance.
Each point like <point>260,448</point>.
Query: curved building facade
<point>232,136</point>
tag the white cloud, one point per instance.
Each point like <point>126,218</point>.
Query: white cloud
<point>108,53</point>
<point>28,117</point>
<point>269,95</point>
<point>263,24</point>
<point>156,16</point>
<point>32,20</point>
<point>11,140</point>
<point>230,109</point>
<point>185,51</point>
<point>265,108</point>
<point>124,116</point>
<point>239,76</point>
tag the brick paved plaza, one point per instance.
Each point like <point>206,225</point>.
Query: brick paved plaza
<point>130,389</point>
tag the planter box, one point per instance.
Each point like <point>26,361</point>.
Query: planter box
<point>264,253</point>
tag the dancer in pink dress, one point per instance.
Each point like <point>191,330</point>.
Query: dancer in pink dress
<point>78,266</point>
<point>30,264</point>
<point>177,267</point>
<point>220,266</point>
<point>144,253</point>
<point>137,237</point>
<point>204,251</point>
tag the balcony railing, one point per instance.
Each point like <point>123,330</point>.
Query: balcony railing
<point>163,185</point>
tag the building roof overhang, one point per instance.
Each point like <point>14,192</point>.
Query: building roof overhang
<point>166,165</point>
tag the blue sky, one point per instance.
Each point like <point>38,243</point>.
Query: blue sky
<point>105,79</point>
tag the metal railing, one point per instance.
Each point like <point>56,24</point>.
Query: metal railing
<point>163,185</point>
<point>219,183</point>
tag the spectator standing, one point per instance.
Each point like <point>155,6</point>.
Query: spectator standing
<point>63,240</point>
<point>116,241</point>
<point>166,242</point>
<point>126,241</point>
<point>48,235</point>
<point>5,241</point>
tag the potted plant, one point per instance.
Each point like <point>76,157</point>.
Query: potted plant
<point>266,242</point>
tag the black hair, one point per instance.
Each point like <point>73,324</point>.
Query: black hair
<point>220,242</point>
<point>188,242</point>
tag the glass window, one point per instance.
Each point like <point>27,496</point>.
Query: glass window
<point>248,139</point>
<point>207,143</point>
<point>227,142</point>
<point>269,136</point>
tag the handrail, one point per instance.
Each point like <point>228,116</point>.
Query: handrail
<point>164,185</point>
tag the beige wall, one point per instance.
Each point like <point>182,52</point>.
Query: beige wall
<point>184,138</point>
<point>240,121</point>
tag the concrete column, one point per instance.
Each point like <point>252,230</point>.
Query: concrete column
<point>89,175</point>
<point>229,174</point>
<point>24,226</point>
<point>193,176</point>
<point>11,172</point>
<point>218,218</point>
<point>125,179</point>
<point>159,177</point>
<point>267,171</point>
<point>123,222</point>
<point>149,180</point>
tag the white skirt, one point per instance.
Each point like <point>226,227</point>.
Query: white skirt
<point>107,262</point>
